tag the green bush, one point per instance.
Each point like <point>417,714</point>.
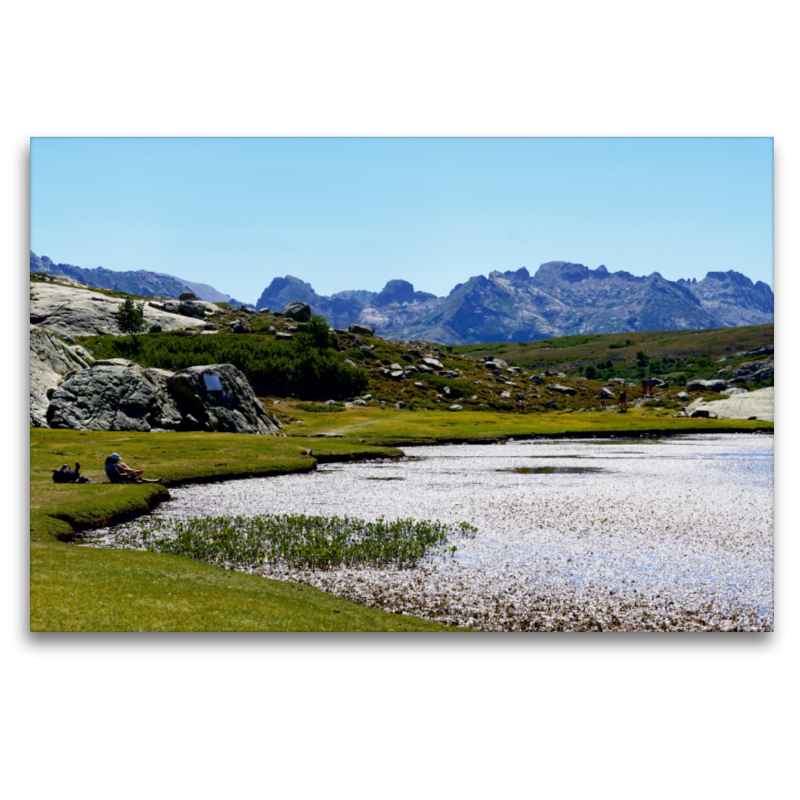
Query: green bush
<point>280,368</point>
<point>457,388</point>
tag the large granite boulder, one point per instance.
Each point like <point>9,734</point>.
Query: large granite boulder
<point>119,395</point>
<point>234,408</point>
<point>748,405</point>
<point>51,360</point>
<point>301,312</point>
<point>114,395</point>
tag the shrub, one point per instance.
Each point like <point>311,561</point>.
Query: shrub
<point>280,368</point>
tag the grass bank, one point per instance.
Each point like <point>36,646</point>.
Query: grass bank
<point>394,427</point>
<point>85,589</point>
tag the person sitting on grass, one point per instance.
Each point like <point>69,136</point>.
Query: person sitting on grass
<point>119,472</point>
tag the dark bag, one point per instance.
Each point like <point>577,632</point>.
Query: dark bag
<point>66,475</point>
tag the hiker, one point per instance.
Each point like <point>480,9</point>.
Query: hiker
<point>67,475</point>
<point>652,385</point>
<point>602,400</point>
<point>623,400</point>
<point>644,387</point>
<point>520,405</point>
<point>119,472</point>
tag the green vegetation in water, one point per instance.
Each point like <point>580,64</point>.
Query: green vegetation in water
<point>296,540</point>
<point>550,470</point>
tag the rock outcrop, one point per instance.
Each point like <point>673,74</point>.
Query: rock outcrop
<point>70,312</point>
<point>755,371</point>
<point>51,360</point>
<point>759,404</point>
<point>119,395</point>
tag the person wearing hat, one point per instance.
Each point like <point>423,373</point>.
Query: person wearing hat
<point>119,472</point>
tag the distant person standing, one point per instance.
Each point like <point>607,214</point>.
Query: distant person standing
<point>602,400</point>
<point>652,385</point>
<point>623,400</point>
<point>520,405</point>
<point>644,387</point>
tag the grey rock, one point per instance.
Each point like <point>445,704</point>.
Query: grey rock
<point>682,396</point>
<point>433,363</point>
<point>567,390</point>
<point>550,404</point>
<point>606,393</point>
<point>400,404</point>
<point>51,360</point>
<point>240,327</point>
<point>538,379</point>
<point>456,407</point>
<point>155,328</point>
<point>756,370</point>
<point>281,335</point>
<point>362,330</point>
<point>298,311</point>
<point>717,385</point>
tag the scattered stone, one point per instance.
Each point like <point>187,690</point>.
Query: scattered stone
<point>456,407</point>
<point>432,363</point>
<point>400,404</point>
<point>298,311</point>
<point>240,327</point>
<point>716,385</point>
<point>361,330</point>
<point>567,390</point>
<point>282,335</point>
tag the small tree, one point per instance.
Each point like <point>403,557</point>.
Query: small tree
<point>318,332</point>
<point>130,319</point>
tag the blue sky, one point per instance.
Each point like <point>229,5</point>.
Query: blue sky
<point>355,213</point>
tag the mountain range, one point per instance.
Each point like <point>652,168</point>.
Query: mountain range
<point>561,299</point>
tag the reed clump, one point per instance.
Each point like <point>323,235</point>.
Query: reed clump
<point>293,540</point>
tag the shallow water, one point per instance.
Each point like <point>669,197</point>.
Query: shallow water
<point>673,534</point>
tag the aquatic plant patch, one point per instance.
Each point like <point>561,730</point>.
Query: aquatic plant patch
<point>294,540</point>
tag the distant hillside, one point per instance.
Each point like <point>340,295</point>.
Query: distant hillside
<point>141,282</point>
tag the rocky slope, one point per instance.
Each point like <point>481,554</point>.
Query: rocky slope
<point>72,311</point>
